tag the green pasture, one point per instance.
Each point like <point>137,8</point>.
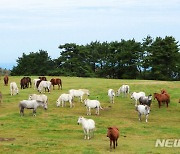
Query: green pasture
<point>56,130</point>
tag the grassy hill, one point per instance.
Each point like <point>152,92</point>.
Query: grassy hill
<point>56,130</point>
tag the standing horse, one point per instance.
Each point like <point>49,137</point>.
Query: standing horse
<point>31,104</point>
<point>6,79</point>
<point>162,98</point>
<point>56,81</point>
<point>88,126</point>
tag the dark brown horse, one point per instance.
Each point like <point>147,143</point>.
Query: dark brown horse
<point>25,82</point>
<point>162,98</point>
<point>43,78</point>
<point>56,81</point>
<point>6,79</point>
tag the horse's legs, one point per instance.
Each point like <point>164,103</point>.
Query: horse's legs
<point>88,136</point>
<point>159,104</point>
<point>34,112</point>
<point>167,103</point>
<point>22,111</point>
<point>139,116</point>
<point>97,110</point>
<point>85,133</point>
<point>110,143</point>
<point>146,118</point>
<point>114,143</point>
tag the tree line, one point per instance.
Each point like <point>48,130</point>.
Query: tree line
<point>157,59</point>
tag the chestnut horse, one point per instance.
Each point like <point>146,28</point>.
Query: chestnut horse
<point>6,79</point>
<point>56,81</point>
<point>162,98</point>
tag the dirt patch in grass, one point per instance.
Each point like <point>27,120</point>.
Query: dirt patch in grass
<point>6,139</point>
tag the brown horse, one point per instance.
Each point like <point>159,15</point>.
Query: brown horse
<point>162,98</point>
<point>163,91</point>
<point>56,81</point>
<point>43,78</point>
<point>6,79</point>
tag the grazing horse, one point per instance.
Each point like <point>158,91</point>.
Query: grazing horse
<point>124,89</point>
<point>31,104</point>
<point>6,79</point>
<point>162,98</point>
<point>24,83</point>
<point>29,83</point>
<point>56,81</point>
<point>88,126</point>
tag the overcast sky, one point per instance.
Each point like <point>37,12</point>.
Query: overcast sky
<point>28,26</point>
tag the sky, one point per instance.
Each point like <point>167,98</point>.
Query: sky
<point>29,26</point>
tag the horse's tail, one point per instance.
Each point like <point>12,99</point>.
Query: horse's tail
<point>101,108</point>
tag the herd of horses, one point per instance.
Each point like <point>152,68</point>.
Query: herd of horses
<point>25,82</point>
<point>113,132</point>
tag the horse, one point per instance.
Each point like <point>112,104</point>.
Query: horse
<point>24,83</point>
<point>111,95</point>
<point>136,96</point>
<point>163,91</point>
<point>143,109</point>
<point>56,81</point>
<point>31,104</point>
<point>124,89</point>
<point>29,83</point>
<point>162,98</point>
<point>78,93</point>
<point>145,100</point>
<point>88,126</point>
<point>44,84</point>
<point>64,98</point>
<point>113,134</point>
<point>13,88</point>
<point>6,79</point>
<point>94,104</point>
<point>43,78</point>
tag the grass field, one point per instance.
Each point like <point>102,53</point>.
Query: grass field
<point>56,130</point>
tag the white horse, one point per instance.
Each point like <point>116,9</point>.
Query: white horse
<point>88,126</point>
<point>31,104</point>
<point>136,96</point>
<point>44,85</point>
<point>78,93</point>
<point>42,98</point>
<point>95,104</point>
<point>124,89</point>
<point>143,109</point>
<point>64,98</point>
<point>13,88</point>
<point>111,95</point>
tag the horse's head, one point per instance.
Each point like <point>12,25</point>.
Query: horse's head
<point>79,120</point>
<point>132,95</point>
<point>45,106</point>
<point>155,95</point>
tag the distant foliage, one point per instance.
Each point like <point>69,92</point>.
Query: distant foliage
<point>157,58</point>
